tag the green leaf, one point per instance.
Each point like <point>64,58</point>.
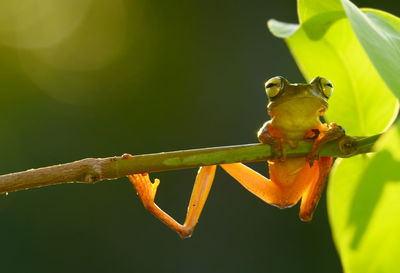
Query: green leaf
<point>282,30</point>
<point>359,52</point>
<point>379,34</point>
<point>326,45</point>
<point>364,208</point>
<point>309,8</point>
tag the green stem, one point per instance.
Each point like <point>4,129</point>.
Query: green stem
<point>91,170</point>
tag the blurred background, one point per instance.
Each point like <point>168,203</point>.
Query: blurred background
<point>98,78</point>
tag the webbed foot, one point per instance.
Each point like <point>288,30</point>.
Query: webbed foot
<point>145,188</point>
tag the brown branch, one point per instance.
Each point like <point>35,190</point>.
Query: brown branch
<point>92,170</point>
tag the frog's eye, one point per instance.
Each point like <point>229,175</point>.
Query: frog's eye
<point>273,86</point>
<point>326,86</point>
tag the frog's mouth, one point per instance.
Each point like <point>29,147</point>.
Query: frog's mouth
<point>300,103</point>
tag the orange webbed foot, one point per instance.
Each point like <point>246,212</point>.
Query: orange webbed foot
<point>147,192</point>
<point>144,187</point>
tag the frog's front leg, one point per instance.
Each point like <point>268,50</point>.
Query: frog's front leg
<point>325,135</point>
<point>268,135</point>
<point>147,192</point>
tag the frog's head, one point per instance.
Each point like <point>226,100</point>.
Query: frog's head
<point>285,96</point>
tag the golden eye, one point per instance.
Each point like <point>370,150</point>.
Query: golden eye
<point>326,86</point>
<point>273,86</point>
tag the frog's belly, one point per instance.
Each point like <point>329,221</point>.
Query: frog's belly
<point>292,176</point>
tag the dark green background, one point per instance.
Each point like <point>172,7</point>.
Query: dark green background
<point>190,75</point>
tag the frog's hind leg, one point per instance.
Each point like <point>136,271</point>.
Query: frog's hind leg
<point>313,193</point>
<point>289,180</point>
<point>254,182</point>
<point>147,191</point>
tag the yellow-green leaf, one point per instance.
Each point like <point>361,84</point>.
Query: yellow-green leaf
<point>364,208</point>
<point>379,34</point>
<point>326,45</point>
<point>359,51</point>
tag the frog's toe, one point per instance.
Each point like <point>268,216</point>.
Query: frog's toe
<point>312,157</point>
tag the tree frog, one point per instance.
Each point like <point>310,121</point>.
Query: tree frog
<point>295,110</point>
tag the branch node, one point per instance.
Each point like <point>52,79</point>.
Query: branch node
<point>92,177</point>
<point>347,145</point>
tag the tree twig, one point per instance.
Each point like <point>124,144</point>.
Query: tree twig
<point>92,170</point>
